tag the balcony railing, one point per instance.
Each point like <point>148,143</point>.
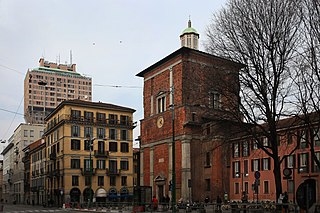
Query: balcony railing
<point>86,171</point>
<point>113,172</point>
<point>92,121</point>
<point>53,156</point>
<point>99,153</point>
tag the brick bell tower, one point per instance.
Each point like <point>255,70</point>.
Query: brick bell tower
<point>196,80</point>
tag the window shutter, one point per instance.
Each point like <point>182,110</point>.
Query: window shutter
<point>308,162</point>
<point>299,156</point>
<point>252,165</point>
<point>294,161</point>
<point>269,163</point>
<point>259,164</point>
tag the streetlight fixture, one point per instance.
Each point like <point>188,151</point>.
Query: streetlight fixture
<point>91,168</point>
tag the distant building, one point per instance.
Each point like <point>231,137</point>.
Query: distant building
<point>8,164</point>
<point>71,128</point>
<point>24,135</point>
<point>35,177</point>
<point>48,85</point>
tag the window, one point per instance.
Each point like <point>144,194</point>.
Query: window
<point>290,186</point>
<point>265,142</point>
<point>88,132</point>
<point>215,100</point>
<point>75,163</point>
<point>75,114</point>
<point>101,164</point>
<point>290,161</point>
<point>255,165</point>
<point>75,180</point>
<point>100,180</point>
<point>236,169</point>
<point>113,134</point>
<point>87,180</point>
<point>303,139</point>
<point>246,187</point>
<point>75,131</point>
<point>75,144</point>
<point>101,117</point>
<point>245,149</point>
<point>25,133</point>
<point>236,188</point>
<point>124,164</point>
<point>289,138</point>
<point>88,116</point>
<point>124,147</point>
<point>101,133</point>
<point>316,136</point>
<point>246,167</point>
<point>113,146</point>
<point>208,187</point>
<point>124,120</point>
<point>101,146</point>
<point>113,181</point>
<point>255,144</point>
<point>87,164</point>
<point>123,180</point>
<point>161,103</point>
<point>266,164</point>
<point>266,187</point>
<point>303,159</point>
<point>124,134</point>
<point>235,150</point>
<point>208,157</point>
<point>113,166</point>
<point>31,133</point>
<point>113,119</point>
<point>315,167</point>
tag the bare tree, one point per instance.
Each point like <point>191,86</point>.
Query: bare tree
<point>262,35</point>
<point>307,74</point>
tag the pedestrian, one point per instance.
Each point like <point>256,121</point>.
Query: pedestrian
<point>154,203</point>
<point>285,202</point>
<point>219,201</point>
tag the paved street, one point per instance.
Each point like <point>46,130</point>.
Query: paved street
<point>10,208</point>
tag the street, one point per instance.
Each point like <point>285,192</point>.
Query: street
<point>10,208</point>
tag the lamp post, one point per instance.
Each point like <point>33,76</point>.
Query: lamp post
<point>173,156</point>
<point>90,162</point>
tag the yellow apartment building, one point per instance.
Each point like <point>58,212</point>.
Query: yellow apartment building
<point>77,131</point>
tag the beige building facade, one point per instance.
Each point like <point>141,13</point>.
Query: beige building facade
<point>48,85</point>
<point>71,129</point>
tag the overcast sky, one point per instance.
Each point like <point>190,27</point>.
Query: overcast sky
<point>111,41</point>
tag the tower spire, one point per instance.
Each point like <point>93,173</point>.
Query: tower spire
<point>189,37</point>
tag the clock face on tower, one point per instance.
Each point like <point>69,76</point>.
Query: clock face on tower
<point>160,122</point>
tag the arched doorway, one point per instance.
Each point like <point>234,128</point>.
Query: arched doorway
<point>87,195</point>
<point>160,183</point>
<point>101,195</point>
<point>112,194</point>
<point>75,195</point>
<point>124,194</point>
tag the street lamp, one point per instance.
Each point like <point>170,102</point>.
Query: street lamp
<point>91,168</point>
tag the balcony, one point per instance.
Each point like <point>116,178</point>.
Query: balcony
<point>86,171</point>
<point>100,153</point>
<point>113,172</point>
<point>53,156</point>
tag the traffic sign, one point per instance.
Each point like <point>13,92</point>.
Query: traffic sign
<point>257,174</point>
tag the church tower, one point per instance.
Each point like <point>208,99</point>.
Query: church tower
<point>190,37</point>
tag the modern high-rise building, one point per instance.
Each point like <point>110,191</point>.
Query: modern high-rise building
<point>48,85</point>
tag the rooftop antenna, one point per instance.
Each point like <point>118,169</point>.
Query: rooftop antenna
<point>71,57</point>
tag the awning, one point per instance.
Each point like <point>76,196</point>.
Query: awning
<point>101,193</point>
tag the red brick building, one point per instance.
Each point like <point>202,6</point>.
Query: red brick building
<point>195,83</point>
<point>295,140</point>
